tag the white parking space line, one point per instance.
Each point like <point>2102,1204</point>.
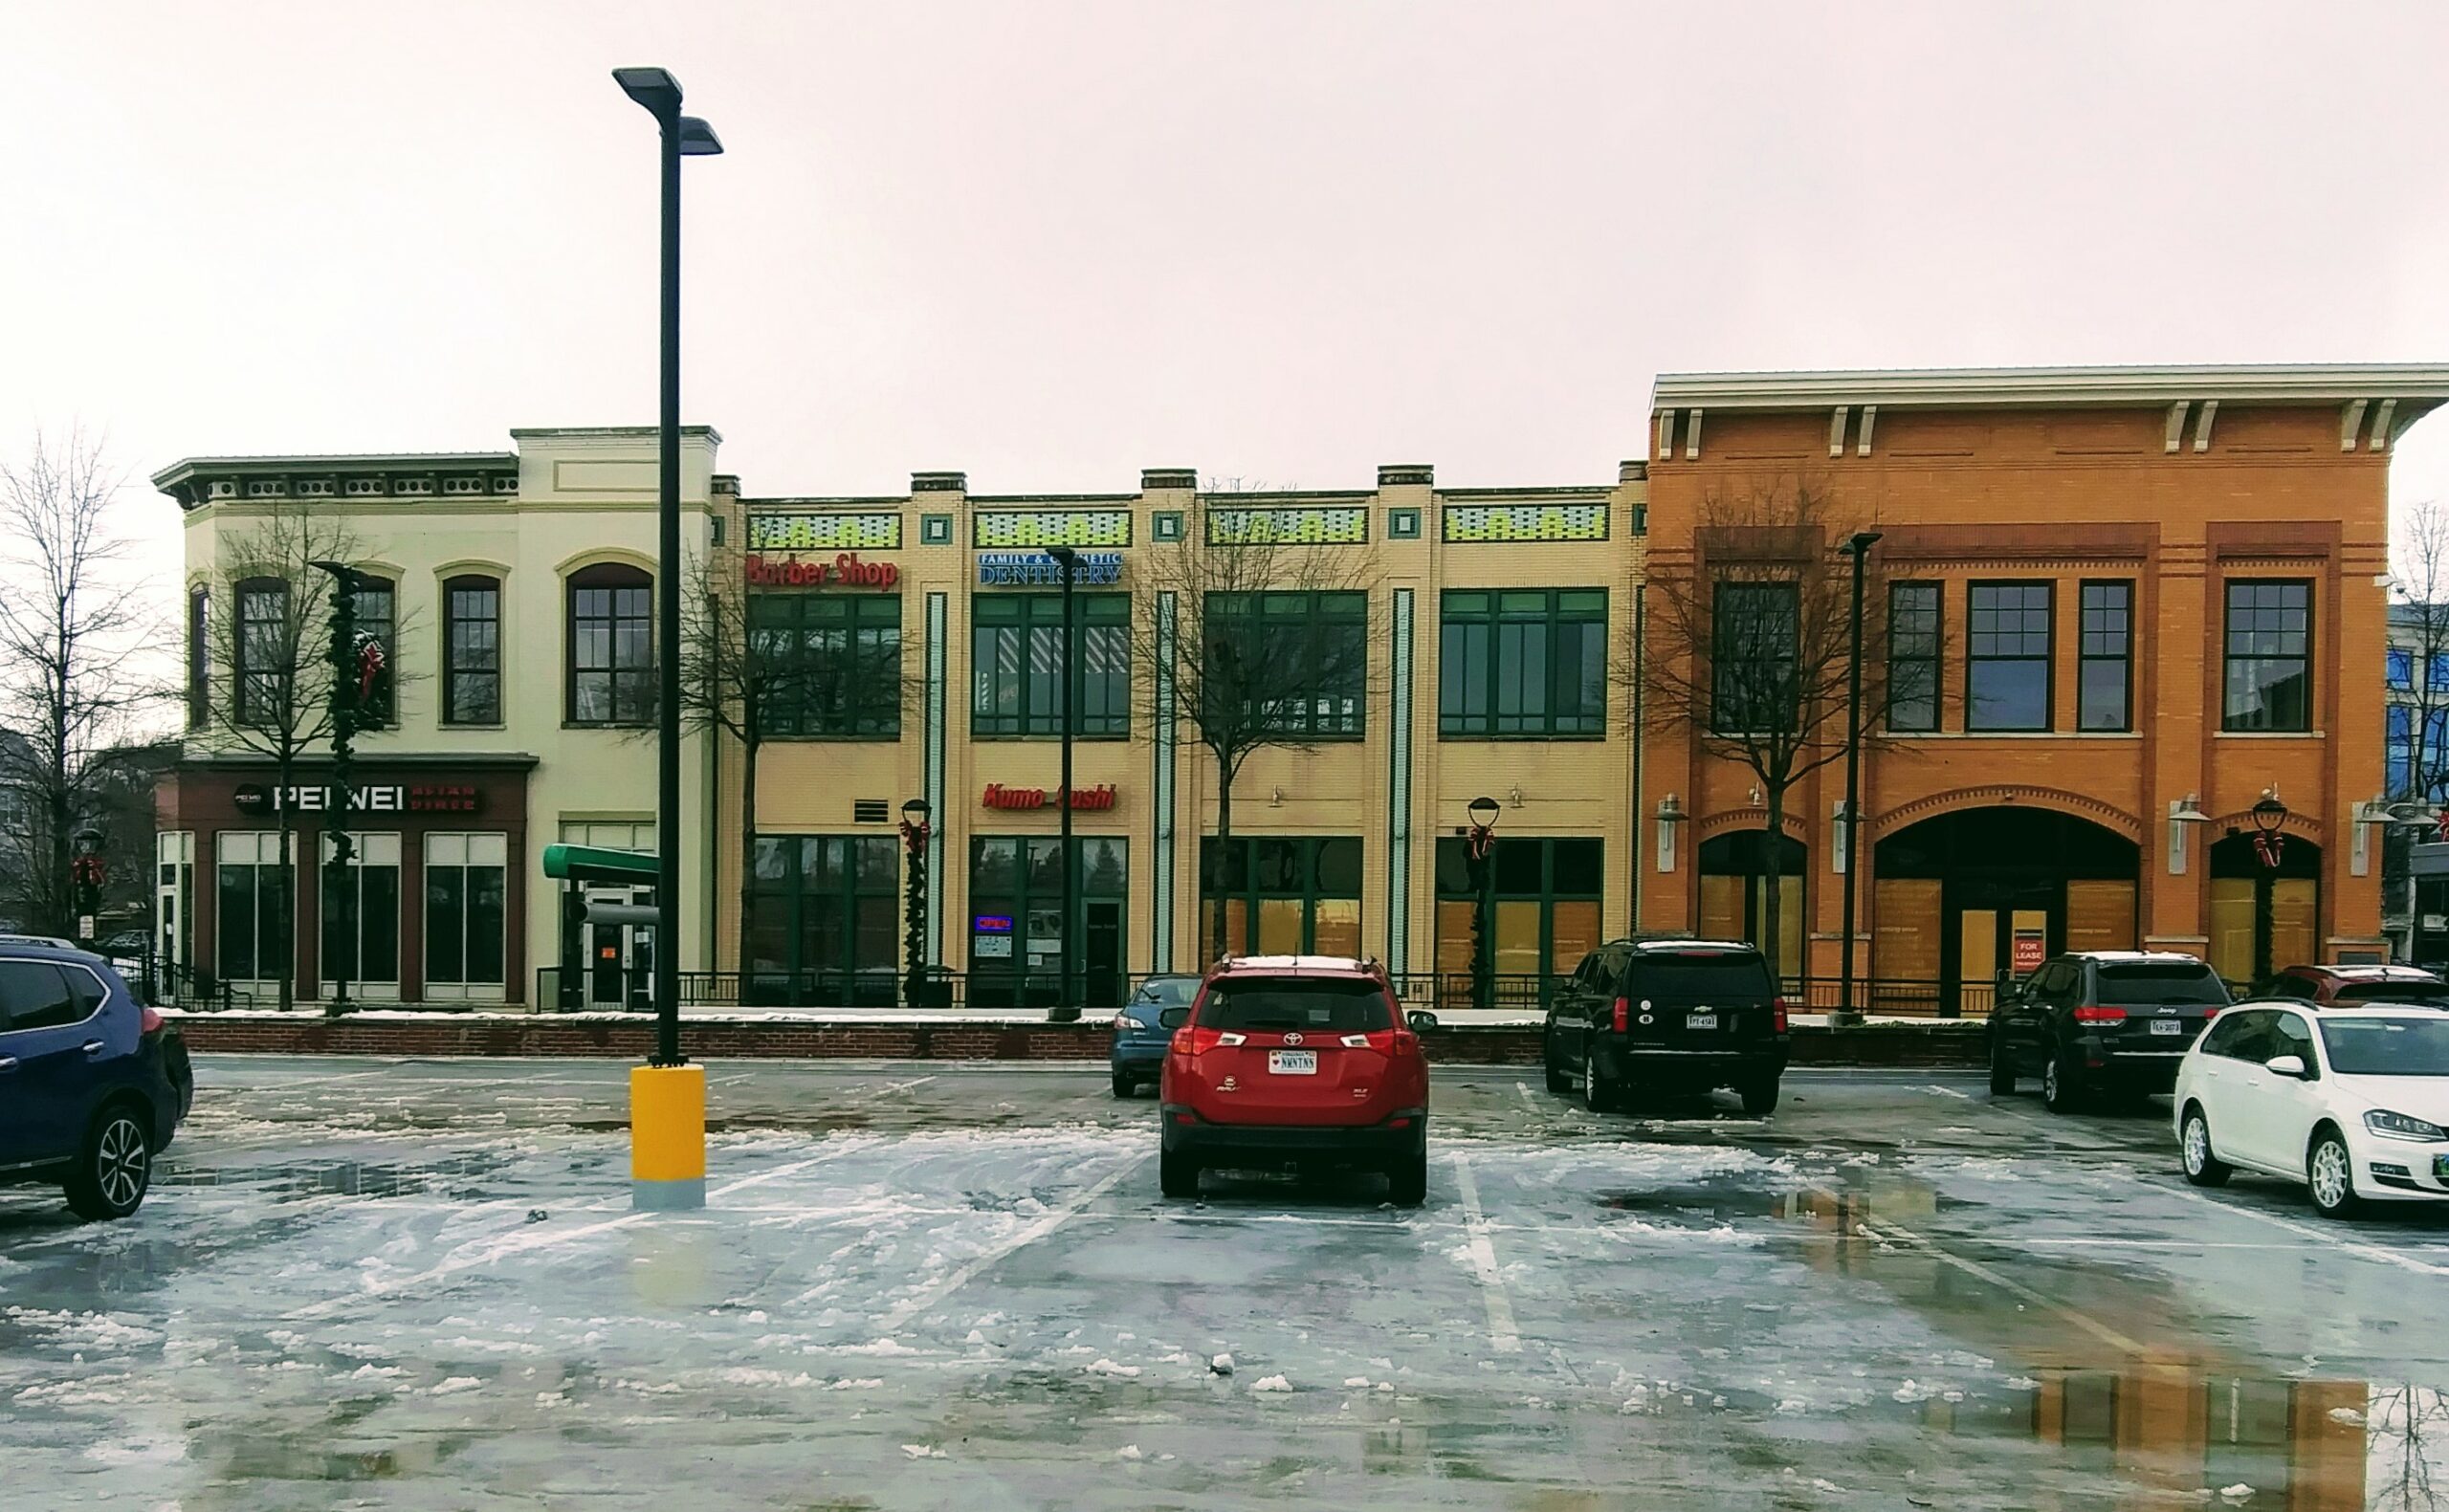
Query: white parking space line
<point>1886,1230</point>
<point>877,1093</point>
<point>902,1314</point>
<point>1947,1092</point>
<point>2370,1252</point>
<point>1503,1335</point>
<point>1529,1097</point>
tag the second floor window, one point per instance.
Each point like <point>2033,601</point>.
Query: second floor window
<point>1297,662</point>
<point>378,615</point>
<point>1913,640</point>
<point>2402,669</point>
<point>611,647</point>
<point>1523,662</point>
<point>825,665</point>
<point>199,656</point>
<point>1016,655</point>
<point>264,678</point>
<point>472,651</point>
<point>2103,691</point>
<point>1754,685</point>
<point>2007,646</point>
<point>2269,638</point>
<point>2409,766</point>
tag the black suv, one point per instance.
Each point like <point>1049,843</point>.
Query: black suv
<point>1669,1016</point>
<point>2102,1021</point>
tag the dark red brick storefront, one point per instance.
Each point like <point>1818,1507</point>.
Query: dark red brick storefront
<point>412,797</point>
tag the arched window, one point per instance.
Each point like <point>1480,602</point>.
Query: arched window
<point>1734,883</point>
<point>472,649</point>
<point>264,672</point>
<point>611,646</point>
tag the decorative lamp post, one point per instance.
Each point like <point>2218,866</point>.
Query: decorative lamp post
<point>913,902</point>
<point>359,701</point>
<point>2269,848</point>
<point>1479,844</point>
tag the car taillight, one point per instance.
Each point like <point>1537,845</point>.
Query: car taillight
<point>1623,1015</point>
<point>1385,1041</point>
<point>1777,1015</point>
<point>2100,1016</point>
<point>1124,1023</point>
<point>1196,1040</point>
<point>148,1020</point>
<point>2210,1011</point>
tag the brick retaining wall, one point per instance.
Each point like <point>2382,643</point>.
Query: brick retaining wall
<point>1936,1046</point>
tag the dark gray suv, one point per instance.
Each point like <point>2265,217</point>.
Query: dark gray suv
<point>2095,1022</point>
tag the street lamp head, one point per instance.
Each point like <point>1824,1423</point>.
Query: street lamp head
<point>654,88</point>
<point>1671,810</point>
<point>2269,813</point>
<point>914,811</point>
<point>1483,811</point>
<point>341,570</point>
<point>1864,541</point>
<point>696,138</point>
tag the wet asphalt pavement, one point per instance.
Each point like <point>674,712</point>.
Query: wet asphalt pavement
<point>420,1285</point>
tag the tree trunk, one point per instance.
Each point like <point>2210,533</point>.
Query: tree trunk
<point>1774,888</point>
<point>748,752</point>
<point>289,908</point>
<point>1217,865</point>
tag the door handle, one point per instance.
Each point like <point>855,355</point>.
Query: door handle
<point>92,1047</point>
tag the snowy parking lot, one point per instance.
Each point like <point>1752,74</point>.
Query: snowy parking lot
<point>420,1285</point>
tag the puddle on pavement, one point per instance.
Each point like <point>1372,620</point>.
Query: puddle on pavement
<point>348,1178</point>
<point>1709,1205</point>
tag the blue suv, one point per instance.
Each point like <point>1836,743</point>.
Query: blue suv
<point>93,1083</point>
<point>1140,1032</point>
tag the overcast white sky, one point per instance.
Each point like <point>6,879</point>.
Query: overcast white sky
<point>1051,244</point>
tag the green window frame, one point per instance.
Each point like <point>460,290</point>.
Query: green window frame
<point>1531,881</point>
<point>1302,890</point>
<point>1016,653</point>
<point>825,667</point>
<point>826,920</point>
<point>1307,655</point>
<point>1522,663</point>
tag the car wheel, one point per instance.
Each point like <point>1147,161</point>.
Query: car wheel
<point>1177,1175</point>
<point>114,1168</point>
<point>1407,1181</point>
<point>2330,1172</point>
<point>1123,1086</point>
<point>1760,1096</point>
<point>2202,1168</point>
<point>2002,1071</point>
<point>2059,1090</point>
<point>1599,1091</point>
<point>1559,1079</point>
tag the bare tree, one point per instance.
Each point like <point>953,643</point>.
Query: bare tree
<point>1749,647</point>
<point>76,664</point>
<point>1252,641</point>
<point>2419,625</point>
<point>269,639</point>
<point>756,667</point>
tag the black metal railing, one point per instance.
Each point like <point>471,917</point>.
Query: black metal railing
<point>632,989</point>
<point>174,984</point>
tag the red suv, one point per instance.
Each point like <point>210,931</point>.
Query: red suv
<point>2355,986</point>
<point>1295,1060</point>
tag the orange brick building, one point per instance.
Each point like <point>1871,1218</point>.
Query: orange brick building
<point>2149,599</point>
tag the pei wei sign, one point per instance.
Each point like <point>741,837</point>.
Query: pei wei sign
<point>1084,800</point>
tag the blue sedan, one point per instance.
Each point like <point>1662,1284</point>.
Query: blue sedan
<point>1140,1032</point>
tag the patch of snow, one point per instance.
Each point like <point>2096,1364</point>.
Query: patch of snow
<point>1127,1451</point>
<point>1222,1364</point>
<point>2239,1492</point>
<point>1356,1380</point>
<point>2347,1415</point>
<point>1106,1367</point>
<point>924,1451</point>
<point>1272,1383</point>
<point>464,1383</point>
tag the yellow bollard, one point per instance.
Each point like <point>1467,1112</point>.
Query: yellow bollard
<point>667,1137</point>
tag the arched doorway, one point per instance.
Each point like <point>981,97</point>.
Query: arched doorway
<point>1959,897</point>
<point>2265,918</point>
<point>1734,886</point>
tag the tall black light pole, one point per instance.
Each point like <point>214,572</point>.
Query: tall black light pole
<point>1859,548</point>
<point>2270,848</point>
<point>1064,1007</point>
<point>682,136</point>
<point>357,703</point>
<point>914,901</point>
<point>1478,847</point>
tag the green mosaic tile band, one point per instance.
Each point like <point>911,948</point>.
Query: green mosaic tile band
<point>1051,527</point>
<point>1292,527</point>
<point>1504,522</point>
<point>824,531</point>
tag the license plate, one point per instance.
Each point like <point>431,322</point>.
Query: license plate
<point>2167,1026</point>
<point>1700,1020</point>
<point>1292,1063</point>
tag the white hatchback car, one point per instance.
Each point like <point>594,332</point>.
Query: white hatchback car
<point>2351,1101</point>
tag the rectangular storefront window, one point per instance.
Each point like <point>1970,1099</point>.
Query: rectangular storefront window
<point>1016,920</point>
<point>1543,899</point>
<point>826,922</point>
<point>2269,664</point>
<point>2105,663</point>
<point>466,912</point>
<point>825,667</point>
<point>1913,641</point>
<point>1297,662</point>
<point>1529,662</point>
<point>1283,895</point>
<point>252,913</point>
<point>360,923</point>
<point>2007,656</point>
<point>1016,654</point>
